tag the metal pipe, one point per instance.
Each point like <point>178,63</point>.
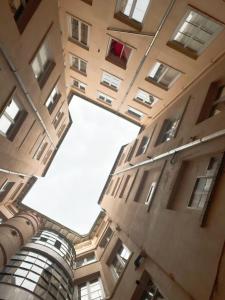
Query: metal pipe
<point>200,141</point>
<point>148,49</point>
<point>20,81</point>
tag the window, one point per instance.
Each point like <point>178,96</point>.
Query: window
<point>61,130</point>
<point>168,130</point>
<point>103,97</point>
<point>150,193</point>
<point>91,290</point>
<point>42,64</point>
<point>86,260</point>
<point>79,64</point>
<point>5,188</point>
<point>11,119</point>
<point>16,191</point>
<point>79,85</point>
<point>40,150</point>
<point>58,118</point>
<point>115,186</point>
<point>46,157</point>
<point>146,98</point>
<point>214,102</point>
<point>204,184</point>
<point>111,81</point>
<point>151,292</point>
<point>106,238</point>
<point>23,11</point>
<point>133,10</point>
<point>194,33</point>
<point>143,145</point>
<point>124,186</point>
<point>52,100</point>
<point>79,31</point>
<point>120,260</point>
<point>118,53</point>
<point>131,151</point>
<point>135,113</point>
<point>163,75</point>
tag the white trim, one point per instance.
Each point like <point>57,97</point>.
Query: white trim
<point>151,193</point>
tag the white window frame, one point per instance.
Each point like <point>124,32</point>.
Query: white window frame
<point>154,70</point>
<point>133,6</point>
<point>80,60</point>
<point>107,99</point>
<point>88,284</point>
<point>8,117</point>
<point>151,193</point>
<point>3,186</point>
<point>80,85</point>
<point>135,111</point>
<point>181,23</point>
<point>110,80</point>
<point>38,59</point>
<point>122,261</point>
<point>86,260</point>
<point>52,97</point>
<point>79,31</point>
<point>143,99</point>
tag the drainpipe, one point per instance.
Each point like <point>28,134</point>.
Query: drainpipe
<point>198,142</point>
<point>149,48</point>
<point>20,81</point>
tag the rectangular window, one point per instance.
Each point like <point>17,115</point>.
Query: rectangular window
<point>52,100</point>
<point>133,9</point>
<point>103,97</point>
<point>86,260</point>
<point>163,75</point>
<point>151,292</point>
<point>111,81</point>
<point>120,260</point>
<point>47,156</point>
<point>115,186</point>
<point>79,85</point>
<point>5,188</point>
<point>146,98</point>
<point>106,238</point>
<point>143,145</point>
<point>61,130</point>
<point>79,31</point>
<point>168,130</point>
<point>58,118</point>
<point>131,151</point>
<point>40,150</point>
<point>91,290</point>
<point>124,186</point>
<point>135,113</point>
<point>194,33</point>
<point>16,191</point>
<point>42,64</point>
<point>118,53</point>
<point>79,64</point>
<point>23,11</point>
<point>151,193</point>
<point>11,119</point>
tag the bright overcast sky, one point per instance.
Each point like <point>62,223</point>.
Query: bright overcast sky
<point>70,191</point>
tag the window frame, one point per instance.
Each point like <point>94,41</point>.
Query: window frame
<point>53,101</point>
<point>151,193</point>
<point>87,284</point>
<point>106,97</point>
<point>80,84</point>
<point>78,41</point>
<point>188,51</point>
<point>143,101</point>
<point>108,83</point>
<point>131,111</point>
<point>117,257</point>
<point>80,60</point>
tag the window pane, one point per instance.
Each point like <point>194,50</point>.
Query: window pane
<point>75,29</point>
<point>84,33</point>
<point>140,9</point>
<point>4,124</point>
<point>12,109</point>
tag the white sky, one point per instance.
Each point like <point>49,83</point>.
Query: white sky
<point>69,192</point>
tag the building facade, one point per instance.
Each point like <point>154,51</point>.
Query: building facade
<point>159,64</point>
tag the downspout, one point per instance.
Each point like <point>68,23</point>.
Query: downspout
<point>149,48</point>
<point>198,142</point>
<point>20,81</point>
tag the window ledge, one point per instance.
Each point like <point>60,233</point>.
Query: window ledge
<point>72,40</point>
<point>78,71</point>
<point>157,83</point>
<point>143,103</point>
<point>116,61</point>
<point>179,47</point>
<point>109,86</point>
<point>125,19</point>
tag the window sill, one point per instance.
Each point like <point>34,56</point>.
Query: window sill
<point>42,79</point>
<point>109,86</point>
<point>143,103</point>
<point>179,47</point>
<point>72,40</point>
<point>157,83</point>
<point>125,19</point>
<point>116,61</point>
<point>78,71</point>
